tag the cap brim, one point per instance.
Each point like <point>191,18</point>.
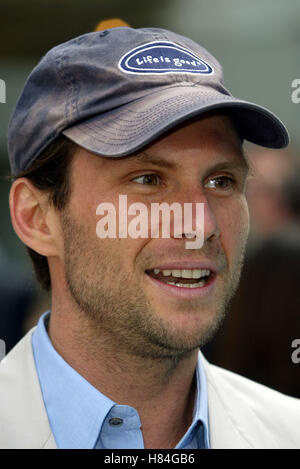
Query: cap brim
<point>130,127</point>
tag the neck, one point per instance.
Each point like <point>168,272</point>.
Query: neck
<point>162,390</point>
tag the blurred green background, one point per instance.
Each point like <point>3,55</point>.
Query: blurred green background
<point>257,42</point>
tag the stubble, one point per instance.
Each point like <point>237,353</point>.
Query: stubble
<point>115,306</point>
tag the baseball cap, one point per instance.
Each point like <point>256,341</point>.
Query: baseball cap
<point>114,91</point>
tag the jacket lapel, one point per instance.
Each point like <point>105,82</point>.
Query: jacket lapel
<point>23,418</point>
<point>232,421</point>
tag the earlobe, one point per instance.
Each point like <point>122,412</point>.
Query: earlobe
<point>29,209</point>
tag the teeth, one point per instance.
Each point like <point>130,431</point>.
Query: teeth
<point>188,285</point>
<point>176,273</point>
<point>184,273</point>
<point>187,273</point>
<point>197,273</point>
<point>166,273</point>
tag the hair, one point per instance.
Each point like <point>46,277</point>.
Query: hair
<point>50,172</point>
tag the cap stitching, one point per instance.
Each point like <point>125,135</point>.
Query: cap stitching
<point>71,105</point>
<point>141,115</point>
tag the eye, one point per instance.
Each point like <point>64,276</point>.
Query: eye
<point>220,182</point>
<point>148,179</point>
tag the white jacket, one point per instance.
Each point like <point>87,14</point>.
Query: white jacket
<point>242,413</point>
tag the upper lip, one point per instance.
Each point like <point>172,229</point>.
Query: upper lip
<point>186,264</point>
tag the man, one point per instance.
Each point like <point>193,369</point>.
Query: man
<point>140,113</point>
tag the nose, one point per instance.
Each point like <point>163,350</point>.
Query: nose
<point>198,216</point>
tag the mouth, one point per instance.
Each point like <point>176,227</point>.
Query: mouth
<point>183,278</point>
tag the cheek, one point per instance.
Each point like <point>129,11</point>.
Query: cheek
<point>233,224</point>
<point>120,250</point>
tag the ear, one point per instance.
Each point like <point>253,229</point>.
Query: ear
<point>33,217</point>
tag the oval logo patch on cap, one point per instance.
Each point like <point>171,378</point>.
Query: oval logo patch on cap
<point>163,57</point>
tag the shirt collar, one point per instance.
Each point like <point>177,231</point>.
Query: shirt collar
<point>200,413</point>
<point>77,410</point>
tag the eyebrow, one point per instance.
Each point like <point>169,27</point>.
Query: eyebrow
<point>240,163</point>
<point>144,157</point>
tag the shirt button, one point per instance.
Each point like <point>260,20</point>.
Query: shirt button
<point>115,421</point>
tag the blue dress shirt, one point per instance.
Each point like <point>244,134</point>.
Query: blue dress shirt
<point>81,417</point>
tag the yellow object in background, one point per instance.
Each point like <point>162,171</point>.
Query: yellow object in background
<point>111,23</point>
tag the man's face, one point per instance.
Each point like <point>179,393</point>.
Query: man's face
<point>113,281</point>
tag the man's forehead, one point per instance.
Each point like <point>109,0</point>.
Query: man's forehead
<point>238,160</point>
<point>216,133</point>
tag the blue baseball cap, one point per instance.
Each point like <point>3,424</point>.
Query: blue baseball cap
<point>114,91</point>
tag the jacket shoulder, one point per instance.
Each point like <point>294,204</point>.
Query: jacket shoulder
<point>23,418</point>
<point>247,401</point>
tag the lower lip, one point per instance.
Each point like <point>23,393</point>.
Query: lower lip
<point>185,293</point>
